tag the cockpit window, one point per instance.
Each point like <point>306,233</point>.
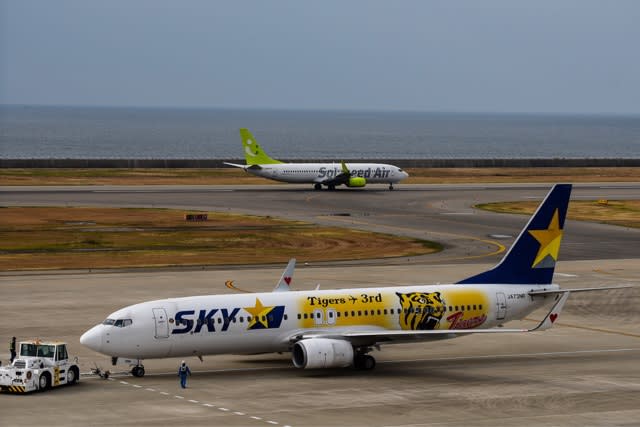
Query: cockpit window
<point>400,170</point>
<point>121,323</point>
<point>118,323</point>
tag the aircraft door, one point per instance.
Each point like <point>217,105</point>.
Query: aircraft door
<point>161,322</point>
<point>501,306</point>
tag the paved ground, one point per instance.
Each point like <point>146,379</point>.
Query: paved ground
<point>584,371</point>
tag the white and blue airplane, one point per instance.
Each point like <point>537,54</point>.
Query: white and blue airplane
<point>328,174</point>
<point>340,327</point>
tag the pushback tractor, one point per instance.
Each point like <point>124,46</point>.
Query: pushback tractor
<point>40,365</point>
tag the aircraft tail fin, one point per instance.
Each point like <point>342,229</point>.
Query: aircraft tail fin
<point>253,153</point>
<point>287,276</point>
<point>532,257</point>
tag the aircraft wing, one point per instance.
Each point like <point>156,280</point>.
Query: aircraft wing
<point>339,179</point>
<point>373,336</point>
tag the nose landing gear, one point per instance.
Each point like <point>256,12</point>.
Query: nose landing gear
<point>138,371</point>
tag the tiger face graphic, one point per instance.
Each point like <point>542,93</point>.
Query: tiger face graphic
<point>420,310</point>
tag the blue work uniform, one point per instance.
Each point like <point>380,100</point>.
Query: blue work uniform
<point>183,372</point>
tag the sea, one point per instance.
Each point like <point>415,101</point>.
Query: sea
<point>48,132</point>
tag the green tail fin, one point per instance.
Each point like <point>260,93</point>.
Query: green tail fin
<point>253,154</point>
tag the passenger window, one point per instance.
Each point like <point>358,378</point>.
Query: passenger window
<point>346,314</point>
<point>299,316</point>
<point>474,307</point>
<point>385,311</point>
<point>353,313</point>
<point>241,319</point>
<point>305,315</point>
<point>359,312</point>
<point>286,317</point>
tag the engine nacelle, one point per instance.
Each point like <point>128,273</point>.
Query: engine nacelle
<point>314,353</point>
<point>356,181</point>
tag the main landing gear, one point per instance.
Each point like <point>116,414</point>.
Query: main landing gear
<point>391,186</point>
<point>364,362</point>
<point>317,186</point>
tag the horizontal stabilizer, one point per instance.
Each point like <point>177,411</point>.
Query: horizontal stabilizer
<point>559,291</point>
<point>235,165</point>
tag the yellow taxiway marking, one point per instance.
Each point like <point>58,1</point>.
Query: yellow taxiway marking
<point>500,247</point>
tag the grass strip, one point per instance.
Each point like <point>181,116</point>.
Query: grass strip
<point>84,238</point>
<point>625,213</point>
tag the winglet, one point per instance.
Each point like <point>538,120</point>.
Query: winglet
<point>253,154</point>
<point>553,314</point>
<point>287,276</point>
<point>345,169</point>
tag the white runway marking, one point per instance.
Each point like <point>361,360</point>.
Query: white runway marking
<point>457,213</point>
<point>566,275</point>
<point>208,405</point>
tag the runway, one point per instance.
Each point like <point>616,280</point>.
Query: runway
<point>435,212</point>
<point>584,371</point>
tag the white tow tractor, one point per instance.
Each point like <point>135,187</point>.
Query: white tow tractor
<point>39,365</point>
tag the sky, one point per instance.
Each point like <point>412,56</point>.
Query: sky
<point>543,56</point>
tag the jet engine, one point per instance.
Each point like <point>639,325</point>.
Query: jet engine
<point>356,181</point>
<point>317,353</point>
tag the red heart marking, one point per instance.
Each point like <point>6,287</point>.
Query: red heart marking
<point>553,317</point>
<point>287,280</point>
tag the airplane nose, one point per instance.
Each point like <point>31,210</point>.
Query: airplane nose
<point>92,338</point>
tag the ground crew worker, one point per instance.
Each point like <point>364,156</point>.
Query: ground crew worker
<point>12,348</point>
<point>183,372</point>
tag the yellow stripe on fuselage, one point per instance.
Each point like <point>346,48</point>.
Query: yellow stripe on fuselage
<point>462,308</point>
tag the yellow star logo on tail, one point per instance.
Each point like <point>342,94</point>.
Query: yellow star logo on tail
<point>258,314</point>
<point>549,240</point>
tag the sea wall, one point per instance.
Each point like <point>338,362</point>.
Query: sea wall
<point>404,163</point>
